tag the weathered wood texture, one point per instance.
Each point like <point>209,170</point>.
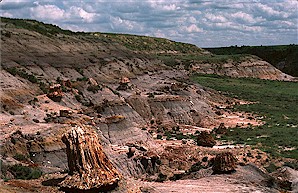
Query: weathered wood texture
<point>90,170</point>
<point>224,162</point>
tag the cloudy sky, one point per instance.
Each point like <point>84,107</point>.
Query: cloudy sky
<point>202,22</point>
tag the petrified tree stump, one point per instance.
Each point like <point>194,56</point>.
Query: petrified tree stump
<point>90,170</point>
<point>205,139</point>
<point>224,162</point>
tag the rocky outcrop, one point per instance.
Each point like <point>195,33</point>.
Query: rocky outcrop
<point>43,149</point>
<point>90,170</point>
<point>249,66</point>
<point>224,162</point>
<point>55,93</point>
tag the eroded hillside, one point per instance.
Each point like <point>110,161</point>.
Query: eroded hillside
<point>283,57</point>
<point>149,116</point>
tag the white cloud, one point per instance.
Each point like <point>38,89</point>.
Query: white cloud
<point>158,33</point>
<point>78,11</point>
<point>120,25</point>
<point>6,14</point>
<point>50,12</point>
<point>270,12</point>
<point>164,5</point>
<point>215,18</point>
<point>192,19</point>
<point>192,29</point>
<point>243,16</point>
<point>171,7</point>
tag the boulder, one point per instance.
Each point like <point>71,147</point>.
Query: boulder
<point>66,83</point>
<point>205,139</point>
<point>224,162</point>
<point>90,170</point>
<point>92,82</point>
<point>124,84</point>
<point>114,119</point>
<point>286,178</point>
<point>65,113</point>
<point>149,161</point>
<point>124,80</point>
<point>131,152</point>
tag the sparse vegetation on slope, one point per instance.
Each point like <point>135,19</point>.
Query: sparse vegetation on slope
<point>187,59</point>
<point>136,43</point>
<point>275,101</point>
<point>152,44</point>
<point>33,25</point>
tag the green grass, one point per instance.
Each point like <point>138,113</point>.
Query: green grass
<point>33,25</point>
<point>276,101</point>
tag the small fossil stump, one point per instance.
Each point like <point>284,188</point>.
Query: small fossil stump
<point>90,170</point>
<point>224,162</point>
<point>205,139</point>
<point>222,129</point>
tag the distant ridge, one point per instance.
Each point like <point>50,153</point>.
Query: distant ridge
<point>133,42</point>
<point>283,57</point>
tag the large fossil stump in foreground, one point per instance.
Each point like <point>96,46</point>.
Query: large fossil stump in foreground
<point>90,170</point>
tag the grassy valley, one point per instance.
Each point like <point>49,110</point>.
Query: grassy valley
<point>274,101</point>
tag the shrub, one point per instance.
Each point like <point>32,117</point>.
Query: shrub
<point>84,78</point>
<point>150,95</point>
<point>271,168</point>
<point>24,172</point>
<point>180,136</point>
<point>20,157</point>
<point>32,78</point>
<point>205,159</point>
<point>161,177</point>
<point>22,73</point>
<point>32,25</point>
<point>78,98</point>
<point>79,70</point>
<point>94,88</point>
<point>43,87</point>
<point>196,167</point>
<point>293,165</point>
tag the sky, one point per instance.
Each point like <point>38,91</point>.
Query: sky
<point>204,23</point>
